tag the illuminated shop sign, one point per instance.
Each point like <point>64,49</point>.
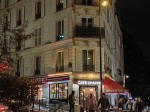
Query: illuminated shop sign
<point>89,82</point>
<point>57,82</point>
<point>37,80</point>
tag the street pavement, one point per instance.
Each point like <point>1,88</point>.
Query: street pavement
<point>42,109</point>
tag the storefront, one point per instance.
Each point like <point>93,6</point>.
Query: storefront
<point>42,96</point>
<point>85,83</point>
<point>58,87</point>
<point>113,90</point>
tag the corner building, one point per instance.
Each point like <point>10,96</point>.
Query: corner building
<point>64,54</point>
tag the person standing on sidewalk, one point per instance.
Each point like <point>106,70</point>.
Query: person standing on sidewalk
<point>71,99</point>
<point>139,105</point>
<point>91,103</point>
<point>103,103</point>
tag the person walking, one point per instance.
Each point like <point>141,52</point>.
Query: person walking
<point>129,106</point>
<point>103,103</point>
<point>139,105</point>
<point>134,104</point>
<point>71,99</point>
<point>91,103</point>
<point>121,105</point>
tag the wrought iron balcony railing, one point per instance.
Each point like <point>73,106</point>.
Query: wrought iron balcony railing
<point>88,68</point>
<point>38,15</point>
<point>60,69</point>
<point>37,72</point>
<point>59,7</point>
<point>86,2</point>
<point>84,31</point>
<point>59,37</point>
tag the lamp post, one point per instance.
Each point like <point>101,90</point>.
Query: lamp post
<point>124,78</point>
<point>102,3</point>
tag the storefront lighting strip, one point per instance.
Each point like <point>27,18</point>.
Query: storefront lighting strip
<point>60,74</point>
<point>58,82</point>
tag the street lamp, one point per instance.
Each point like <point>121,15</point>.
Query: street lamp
<point>104,3</point>
<point>101,3</point>
<point>124,78</point>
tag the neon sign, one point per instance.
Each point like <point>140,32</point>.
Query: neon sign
<point>88,82</point>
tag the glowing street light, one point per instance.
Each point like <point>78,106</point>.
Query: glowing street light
<point>104,3</point>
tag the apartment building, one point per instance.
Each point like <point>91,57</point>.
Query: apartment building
<point>64,53</point>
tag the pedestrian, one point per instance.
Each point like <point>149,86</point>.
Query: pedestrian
<point>134,104</point>
<point>91,103</point>
<point>71,99</point>
<point>121,105</point>
<point>103,103</point>
<point>129,106</point>
<point>139,105</point>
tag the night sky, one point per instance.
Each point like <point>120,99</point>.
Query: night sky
<point>135,19</point>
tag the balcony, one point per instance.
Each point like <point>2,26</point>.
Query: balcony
<point>17,74</point>
<point>60,69</point>
<point>38,15</point>
<point>59,37</point>
<point>59,7</point>
<point>37,72</point>
<point>84,31</point>
<point>18,23</point>
<point>86,2</point>
<point>88,68</point>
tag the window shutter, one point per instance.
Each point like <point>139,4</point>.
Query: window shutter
<point>97,61</point>
<point>23,15</point>
<point>64,4</point>
<point>33,11</point>
<point>42,8</point>
<point>79,59</point>
<point>39,38</point>
<point>53,6</point>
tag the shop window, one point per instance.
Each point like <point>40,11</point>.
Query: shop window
<point>60,62</point>
<point>60,30</point>
<point>59,91</point>
<point>88,60</point>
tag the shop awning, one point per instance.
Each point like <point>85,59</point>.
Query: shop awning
<point>111,86</point>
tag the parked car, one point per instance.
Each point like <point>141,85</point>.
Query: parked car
<point>4,108</point>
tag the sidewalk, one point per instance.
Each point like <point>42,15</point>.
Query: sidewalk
<point>42,109</point>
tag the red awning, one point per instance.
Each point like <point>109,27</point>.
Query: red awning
<point>111,86</point>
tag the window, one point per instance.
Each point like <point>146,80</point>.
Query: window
<point>38,9</point>
<point>88,60</point>
<point>18,0</point>
<point>60,5</point>
<point>6,3</point>
<point>38,36</point>
<point>60,30</point>
<point>60,62</point>
<point>59,91</point>
<point>18,17</point>
<point>37,65</point>
<point>86,2</point>
<point>87,22</point>
<point>18,68</point>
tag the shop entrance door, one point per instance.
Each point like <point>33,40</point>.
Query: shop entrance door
<point>85,92</point>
